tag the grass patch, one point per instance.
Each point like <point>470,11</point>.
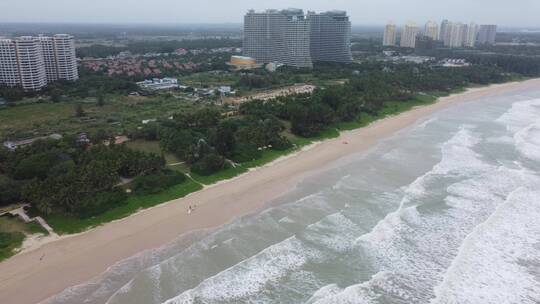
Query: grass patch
<point>64,225</point>
<point>13,231</point>
<point>9,242</point>
<point>9,223</point>
<point>152,147</point>
<point>179,167</point>
<point>219,176</point>
<point>35,227</point>
<point>118,114</point>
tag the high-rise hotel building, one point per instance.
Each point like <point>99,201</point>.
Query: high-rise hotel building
<point>487,33</point>
<point>431,30</point>
<point>32,62</point>
<point>330,36</point>
<point>408,35</point>
<point>390,35</point>
<point>292,38</point>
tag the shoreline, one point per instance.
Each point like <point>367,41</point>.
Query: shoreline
<point>75,259</point>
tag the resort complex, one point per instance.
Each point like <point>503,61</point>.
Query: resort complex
<point>293,38</point>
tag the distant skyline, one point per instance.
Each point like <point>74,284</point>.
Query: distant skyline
<point>519,13</point>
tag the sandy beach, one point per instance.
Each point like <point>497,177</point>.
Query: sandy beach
<point>33,276</point>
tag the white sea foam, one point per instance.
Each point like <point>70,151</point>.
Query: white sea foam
<point>412,248</point>
<point>522,120</point>
<point>495,261</point>
<point>336,232</point>
<point>505,139</point>
<point>528,141</point>
<point>457,158</point>
<point>250,276</point>
<point>425,123</point>
<point>324,293</point>
<point>521,115</point>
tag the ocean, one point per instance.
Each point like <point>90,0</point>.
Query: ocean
<point>446,211</point>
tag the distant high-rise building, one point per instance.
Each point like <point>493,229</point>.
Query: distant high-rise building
<point>487,34</point>
<point>464,33</point>
<point>292,38</point>
<point>432,30</point>
<point>445,32</point>
<point>455,33</point>
<point>470,36</point>
<point>390,35</point>
<point>408,35</point>
<point>32,62</point>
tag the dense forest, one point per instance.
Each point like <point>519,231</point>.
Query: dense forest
<point>142,47</point>
<point>72,178</point>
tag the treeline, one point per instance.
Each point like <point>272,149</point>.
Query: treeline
<point>11,94</point>
<point>527,65</point>
<point>88,85</point>
<point>69,178</point>
<point>367,93</point>
<point>142,47</point>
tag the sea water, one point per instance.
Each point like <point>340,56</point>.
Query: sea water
<point>446,211</point>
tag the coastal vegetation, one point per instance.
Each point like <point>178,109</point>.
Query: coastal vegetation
<point>13,231</point>
<point>179,145</point>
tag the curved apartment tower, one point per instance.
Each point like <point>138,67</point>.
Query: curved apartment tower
<point>292,38</point>
<point>278,36</point>
<point>330,36</point>
<point>60,58</point>
<point>32,62</point>
<point>9,71</point>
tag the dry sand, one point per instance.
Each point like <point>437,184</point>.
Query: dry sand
<point>72,260</point>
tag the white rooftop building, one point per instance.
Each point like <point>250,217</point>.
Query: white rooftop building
<point>159,84</point>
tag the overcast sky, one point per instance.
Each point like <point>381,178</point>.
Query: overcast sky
<point>362,12</point>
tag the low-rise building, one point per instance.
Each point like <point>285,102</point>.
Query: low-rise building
<point>242,63</point>
<point>159,84</point>
<point>14,145</point>
<point>225,90</point>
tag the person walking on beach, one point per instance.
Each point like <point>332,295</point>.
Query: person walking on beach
<point>191,208</point>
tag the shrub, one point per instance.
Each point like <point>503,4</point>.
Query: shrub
<point>280,143</point>
<point>209,164</point>
<point>100,203</point>
<point>244,152</point>
<point>8,239</point>
<point>10,191</point>
<point>155,183</point>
